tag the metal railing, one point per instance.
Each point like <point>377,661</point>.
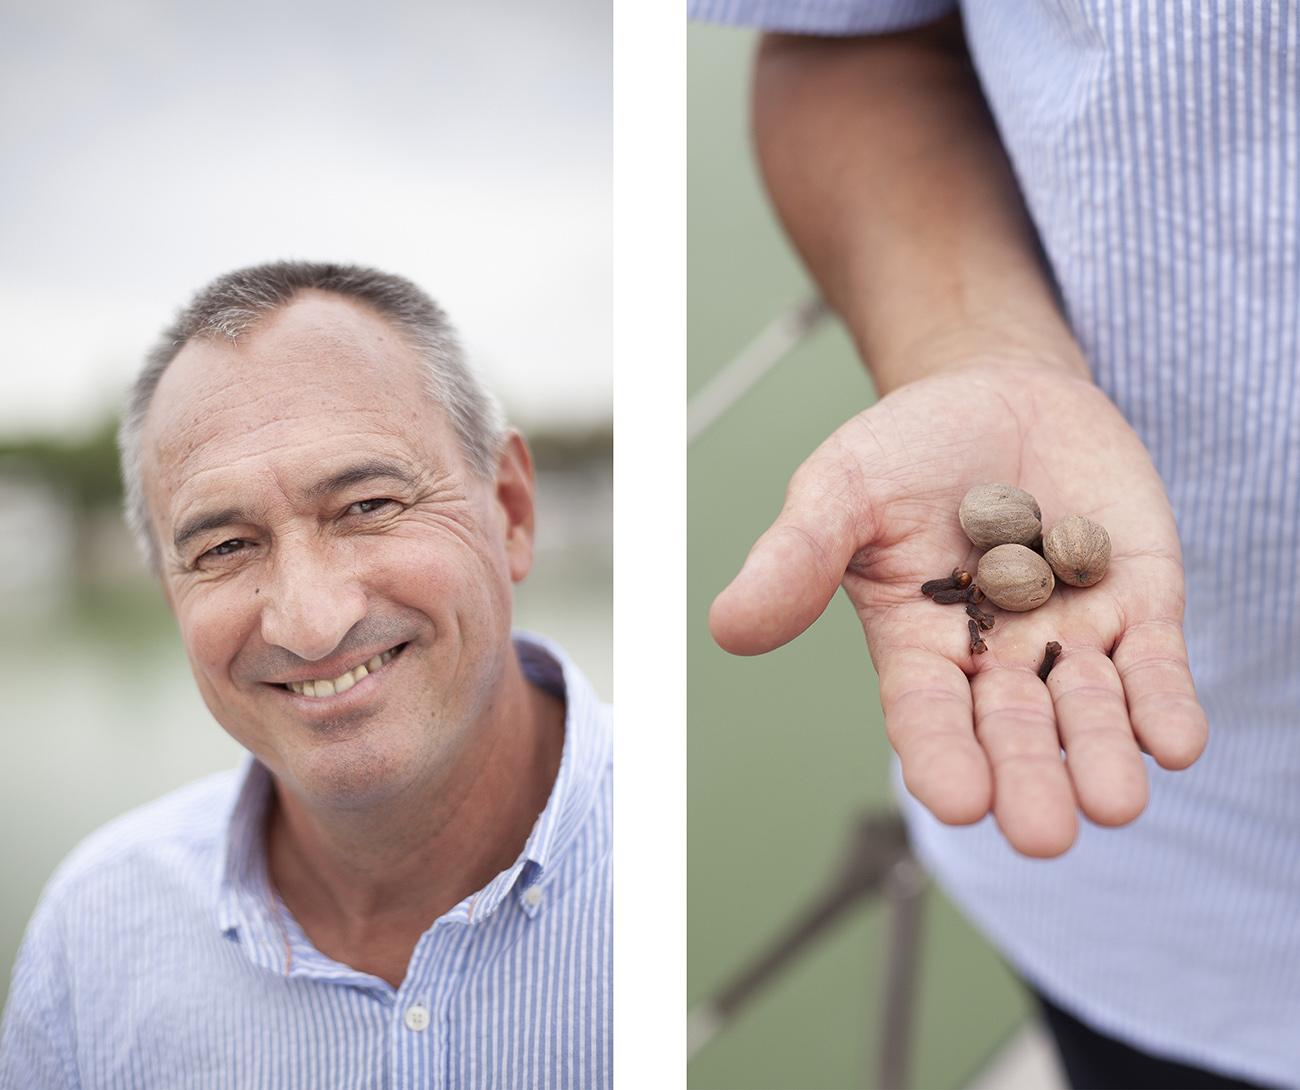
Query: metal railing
<point>742,372</point>
<point>878,860</point>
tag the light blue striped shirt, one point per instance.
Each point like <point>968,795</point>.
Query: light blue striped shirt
<point>1156,145</point>
<point>161,957</point>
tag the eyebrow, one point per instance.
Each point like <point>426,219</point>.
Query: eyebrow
<point>373,470</point>
<point>201,524</point>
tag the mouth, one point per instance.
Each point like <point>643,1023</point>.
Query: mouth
<point>323,688</point>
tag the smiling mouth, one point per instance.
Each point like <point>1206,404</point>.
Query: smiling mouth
<point>319,687</point>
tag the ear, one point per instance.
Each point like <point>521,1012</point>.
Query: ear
<point>514,496</point>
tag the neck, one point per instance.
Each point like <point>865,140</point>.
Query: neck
<point>356,879</point>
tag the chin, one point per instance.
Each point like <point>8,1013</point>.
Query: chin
<point>358,772</point>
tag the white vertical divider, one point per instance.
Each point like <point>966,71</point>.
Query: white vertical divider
<point>650,543</point>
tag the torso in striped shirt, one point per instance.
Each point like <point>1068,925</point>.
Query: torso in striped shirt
<point>161,957</point>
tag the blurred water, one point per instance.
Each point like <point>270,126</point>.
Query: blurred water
<point>101,713</point>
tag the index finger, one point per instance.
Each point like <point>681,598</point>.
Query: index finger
<point>929,720</point>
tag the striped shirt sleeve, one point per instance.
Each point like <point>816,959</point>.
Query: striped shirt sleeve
<point>35,1045</point>
<point>824,17</point>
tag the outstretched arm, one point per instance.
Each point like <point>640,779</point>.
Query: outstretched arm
<point>887,173</point>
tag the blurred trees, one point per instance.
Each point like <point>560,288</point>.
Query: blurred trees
<point>80,470</point>
<point>83,470</point>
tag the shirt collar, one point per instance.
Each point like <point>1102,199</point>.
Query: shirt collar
<point>586,754</point>
<point>245,901</point>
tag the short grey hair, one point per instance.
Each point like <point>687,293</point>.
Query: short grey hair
<point>232,304</point>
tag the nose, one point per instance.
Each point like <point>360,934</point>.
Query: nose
<point>310,603</point>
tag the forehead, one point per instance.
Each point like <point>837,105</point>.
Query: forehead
<point>322,378</point>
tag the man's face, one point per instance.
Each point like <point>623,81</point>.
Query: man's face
<point>318,524</point>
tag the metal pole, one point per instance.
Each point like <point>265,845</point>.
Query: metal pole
<point>878,855</point>
<point>904,886</point>
<point>743,371</point>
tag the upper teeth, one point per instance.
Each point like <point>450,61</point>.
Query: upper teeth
<point>344,681</point>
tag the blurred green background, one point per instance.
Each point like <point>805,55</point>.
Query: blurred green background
<point>785,750</point>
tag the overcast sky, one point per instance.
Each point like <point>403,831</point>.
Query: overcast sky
<point>149,146</point>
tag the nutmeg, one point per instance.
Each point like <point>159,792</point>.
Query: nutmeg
<point>1000,514</point>
<point>1078,550</point>
<point>1015,578</point>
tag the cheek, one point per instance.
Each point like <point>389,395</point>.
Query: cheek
<point>214,625</point>
<point>442,577</point>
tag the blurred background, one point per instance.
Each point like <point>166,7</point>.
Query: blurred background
<point>152,146</point>
<point>786,750</point>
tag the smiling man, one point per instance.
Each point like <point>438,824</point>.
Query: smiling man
<point>407,882</point>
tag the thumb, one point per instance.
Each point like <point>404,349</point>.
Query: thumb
<point>794,569</point>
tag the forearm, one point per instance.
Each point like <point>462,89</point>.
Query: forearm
<point>889,176</point>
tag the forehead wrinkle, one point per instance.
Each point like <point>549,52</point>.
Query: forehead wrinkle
<point>278,390</point>
<point>292,478</point>
<point>222,469</point>
<point>282,359</point>
<point>192,500</point>
<point>218,440</point>
<point>304,373</point>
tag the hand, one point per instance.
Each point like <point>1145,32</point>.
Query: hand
<point>875,510</point>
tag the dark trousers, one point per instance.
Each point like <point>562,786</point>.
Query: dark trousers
<point>1095,1062</point>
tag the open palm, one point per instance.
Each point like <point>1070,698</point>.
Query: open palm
<point>875,510</point>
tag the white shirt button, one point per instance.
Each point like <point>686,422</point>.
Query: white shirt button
<point>417,1017</point>
<point>532,896</point>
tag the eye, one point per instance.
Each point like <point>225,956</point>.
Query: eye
<point>226,548</point>
<point>368,507</point>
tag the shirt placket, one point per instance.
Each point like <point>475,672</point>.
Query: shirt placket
<point>423,1048</point>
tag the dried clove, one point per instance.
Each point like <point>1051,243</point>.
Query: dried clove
<point>1049,660</point>
<point>984,620</point>
<point>958,580</point>
<point>935,585</point>
<point>974,594</point>
<point>977,645</point>
<point>951,597</point>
